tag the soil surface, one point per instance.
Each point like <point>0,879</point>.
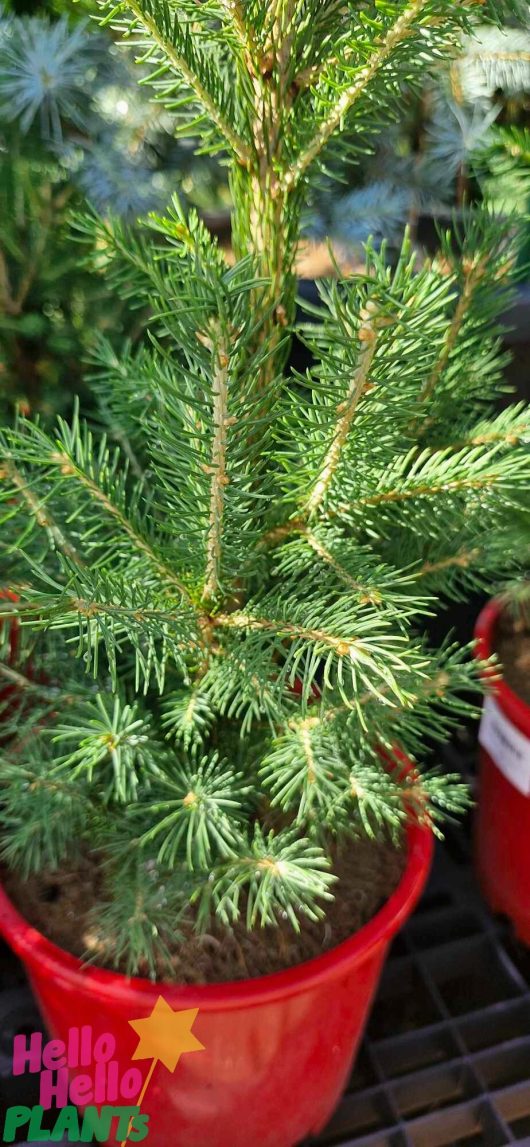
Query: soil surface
<point>511,643</point>
<point>61,906</point>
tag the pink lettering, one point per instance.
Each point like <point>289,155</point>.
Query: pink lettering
<point>104,1048</point>
<point>52,1088</point>
<point>53,1056</point>
<point>85,1057</point>
<point>113,1081</point>
<point>131,1083</point>
<point>73,1047</point>
<point>27,1056</point>
<point>81,1089</point>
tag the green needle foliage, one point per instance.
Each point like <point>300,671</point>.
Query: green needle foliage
<point>219,659</point>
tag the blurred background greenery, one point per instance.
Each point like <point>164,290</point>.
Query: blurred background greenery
<point>74,128</point>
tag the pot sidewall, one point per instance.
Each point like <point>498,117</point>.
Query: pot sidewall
<point>502,821</point>
<point>277,1051</point>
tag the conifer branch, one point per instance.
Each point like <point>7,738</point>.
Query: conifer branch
<point>25,685</point>
<point>462,560</point>
<point>69,469</point>
<point>280,533</point>
<point>473,274</point>
<point>434,687</point>
<point>421,491</point>
<point>89,609</point>
<point>304,732</point>
<point>283,34</point>
<point>235,11</point>
<point>240,620</point>
<point>348,98</point>
<point>367,593</point>
<point>219,477</point>
<point>178,62</point>
<point>511,437</point>
<point>246,621</point>
<point>121,438</point>
<point>327,557</point>
<point>41,513</point>
<point>368,339</point>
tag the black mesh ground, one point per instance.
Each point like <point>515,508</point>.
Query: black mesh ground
<point>446,1057</point>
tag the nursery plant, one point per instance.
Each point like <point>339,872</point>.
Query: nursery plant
<point>219,667</point>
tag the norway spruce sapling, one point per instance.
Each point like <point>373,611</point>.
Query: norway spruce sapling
<point>222,623</point>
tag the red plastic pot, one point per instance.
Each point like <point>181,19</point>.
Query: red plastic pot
<point>502,823</point>
<point>277,1050</point>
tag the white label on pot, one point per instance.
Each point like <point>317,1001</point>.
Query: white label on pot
<point>508,747</point>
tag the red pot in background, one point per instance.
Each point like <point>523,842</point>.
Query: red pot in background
<point>277,1050</point>
<point>502,822</point>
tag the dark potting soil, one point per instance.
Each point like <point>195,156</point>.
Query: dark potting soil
<point>61,906</point>
<point>511,643</point>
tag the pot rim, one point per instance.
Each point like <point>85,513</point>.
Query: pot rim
<point>515,708</point>
<point>36,950</point>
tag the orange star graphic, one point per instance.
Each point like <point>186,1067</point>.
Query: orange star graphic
<point>165,1035</point>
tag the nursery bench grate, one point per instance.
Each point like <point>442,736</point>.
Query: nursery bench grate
<point>445,1061</point>
<point>446,1057</point>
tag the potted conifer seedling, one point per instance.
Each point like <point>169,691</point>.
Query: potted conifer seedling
<point>213,819</point>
